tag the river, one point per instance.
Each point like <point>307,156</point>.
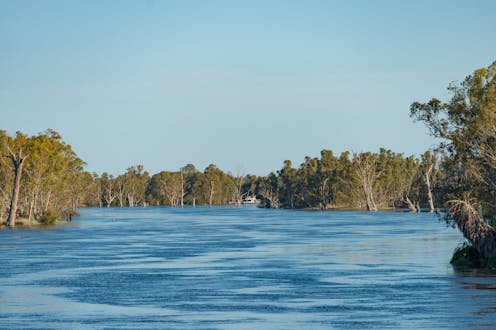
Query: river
<point>248,268</point>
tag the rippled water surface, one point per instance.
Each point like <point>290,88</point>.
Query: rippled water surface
<point>249,268</point>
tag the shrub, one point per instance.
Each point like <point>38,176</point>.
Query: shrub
<point>466,256</point>
<point>50,217</point>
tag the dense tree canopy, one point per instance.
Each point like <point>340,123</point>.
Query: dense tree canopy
<point>54,182</point>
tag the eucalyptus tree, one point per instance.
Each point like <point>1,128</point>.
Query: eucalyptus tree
<point>367,170</point>
<point>120,189</point>
<point>217,186</point>
<point>325,180</point>
<point>347,191</point>
<point>287,191</point>
<point>108,189</point>
<point>269,189</point>
<point>466,128</point>
<point>135,183</point>
<point>167,188</point>
<point>6,175</point>
<point>92,193</point>
<point>45,176</point>
<point>191,183</point>
<point>238,183</point>
<point>430,175</point>
<point>18,159</point>
<point>54,173</point>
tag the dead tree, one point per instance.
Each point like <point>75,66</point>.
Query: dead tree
<point>238,194</point>
<point>18,162</point>
<point>428,175</point>
<point>480,235</point>
<point>411,205</point>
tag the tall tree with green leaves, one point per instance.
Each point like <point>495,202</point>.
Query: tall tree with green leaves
<point>466,128</point>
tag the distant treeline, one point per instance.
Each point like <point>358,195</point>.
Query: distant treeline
<point>41,176</point>
<point>365,181</point>
<point>52,180</point>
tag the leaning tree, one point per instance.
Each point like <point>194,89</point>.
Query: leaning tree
<point>466,127</point>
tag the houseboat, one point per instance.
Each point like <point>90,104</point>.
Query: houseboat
<point>251,200</point>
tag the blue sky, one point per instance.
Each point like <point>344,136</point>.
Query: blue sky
<point>244,85</point>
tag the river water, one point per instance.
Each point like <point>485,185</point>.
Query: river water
<point>248,268</point>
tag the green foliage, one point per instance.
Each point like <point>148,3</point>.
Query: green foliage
<point>53,176</point>
<point>466,126</point>
<point>50,217</point>
<point>383,179</point>
<point>466,257</point>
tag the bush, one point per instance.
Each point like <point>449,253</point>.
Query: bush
<point>466,256</point>
<point>50,217</point>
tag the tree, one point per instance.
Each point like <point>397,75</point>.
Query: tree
<point>135,182</point>
<point>367,172</point>
<point>120,186</point>
<point>270,191</point>
<point>429,171</point>
<point>288,184</point>
<point>17,162</point>
<point>6,175</point>
<point>192,183</point>
<point>107,189</point>
<point>217,187</point>
<point>466,128</point>
<point>238,194</point>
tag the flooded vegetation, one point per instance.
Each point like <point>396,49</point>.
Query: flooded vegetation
<point>225,268</point>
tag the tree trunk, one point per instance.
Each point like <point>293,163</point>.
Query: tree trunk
<point>47,202</point>
<point>429,189</point>
<point>323,197</point>
<point>18,162</point>
<point>32,207</point>
<point>211,196</point>
<point>31,211</point>
<point>411,205</point>
<point>182,189</point>
<point>474,229</point>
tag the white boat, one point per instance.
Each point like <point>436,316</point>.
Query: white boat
<point>251,200</point>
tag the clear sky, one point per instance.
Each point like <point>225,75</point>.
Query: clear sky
<point>241,84</point>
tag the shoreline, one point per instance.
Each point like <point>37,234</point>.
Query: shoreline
<point>22,223</point>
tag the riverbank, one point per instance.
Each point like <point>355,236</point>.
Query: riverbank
<point>22,223</point>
